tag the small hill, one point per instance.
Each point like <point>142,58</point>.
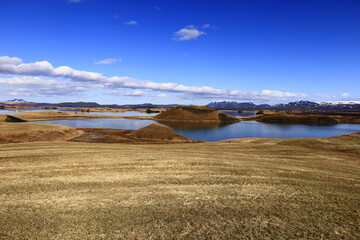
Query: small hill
<point>195,114</point>
<point>282,118</point>
<point>31,132</point>
<point>158,133</point>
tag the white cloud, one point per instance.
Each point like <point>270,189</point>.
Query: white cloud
<point>161,95</point>
<point>66,80</point>
<point>187,33</point>
<point>135,93</point>
<point>40,86</point>
<point>27,80</point>
<point>132,22</point>
<point>74,1</point>
<point>208,26</point>
<point>108,61</point>
<point>5,60</point>
<point>345,94</point>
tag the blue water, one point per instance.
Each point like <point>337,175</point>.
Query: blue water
<point>138,114</point>
<point>216,132</point>
<point>117,123</point>
<point>253,129</point>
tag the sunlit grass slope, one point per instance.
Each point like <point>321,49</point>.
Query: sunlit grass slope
<point>238,189</point>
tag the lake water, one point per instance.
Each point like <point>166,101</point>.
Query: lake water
<point>138,114</point>
<point>240,114</point>
<point>216,132</point>
<point>118,123</point>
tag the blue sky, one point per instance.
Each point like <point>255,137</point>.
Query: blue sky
<point>190,52</point>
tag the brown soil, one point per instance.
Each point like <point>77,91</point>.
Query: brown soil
<point>195,114</point>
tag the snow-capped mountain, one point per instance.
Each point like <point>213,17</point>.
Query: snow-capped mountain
<point>16,100</point>
<point>297,105</point>
<point>340,102</point>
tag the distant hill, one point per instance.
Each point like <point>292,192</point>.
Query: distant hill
<point>22,102</point>
<point>346,106</point>
<point>297,105</point>
<point>195,114</point>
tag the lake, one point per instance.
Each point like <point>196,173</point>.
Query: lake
<point>131,113</point>
<point>215,131</point>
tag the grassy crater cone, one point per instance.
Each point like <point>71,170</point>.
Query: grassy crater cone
<point>156,132</point>
<point>195,114</point>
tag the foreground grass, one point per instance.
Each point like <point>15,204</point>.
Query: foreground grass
<point>241,189</point>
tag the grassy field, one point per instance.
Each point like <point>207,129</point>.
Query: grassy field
<point>53,115</point>
<point>31,132</point>
<point>238,189</point>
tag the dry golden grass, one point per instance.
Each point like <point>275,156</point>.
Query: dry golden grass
<point>30,132</point>
<point>51,115</point>
<point>238,189</point>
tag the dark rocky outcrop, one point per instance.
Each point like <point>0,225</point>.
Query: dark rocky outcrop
<point>10,118</point>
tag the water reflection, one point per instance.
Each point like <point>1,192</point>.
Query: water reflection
<point>117,123</point>
<point>193,125</point>
<point>216,131</point>
<point>235,113</point>
<point>253,129</point>
<point>131,113</point>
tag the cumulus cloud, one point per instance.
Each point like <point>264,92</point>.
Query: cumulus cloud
<point>345,94</point>
<point>161,95</point>
<point>66,80</point>
<point>187,33</point>
<point>132,22</point>
<point>108,61</point>
<point>208,26</point>
<point>39,86</point>
<point>135,93</point>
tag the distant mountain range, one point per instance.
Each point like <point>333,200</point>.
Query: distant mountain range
<point>297,105</point>
<point>22,102</point>
<point>349,106</point>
